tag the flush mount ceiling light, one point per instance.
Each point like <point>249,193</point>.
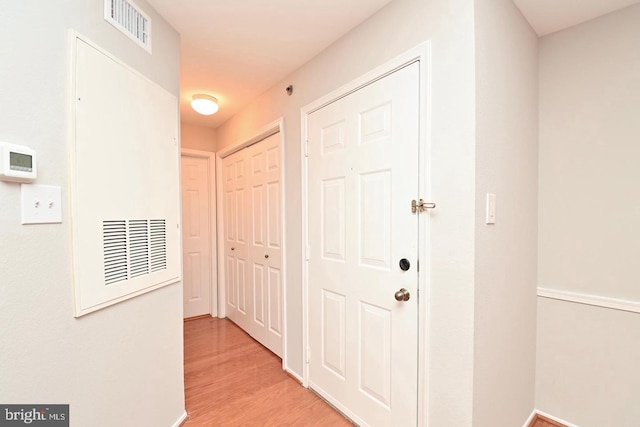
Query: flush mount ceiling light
<point>204,104</point>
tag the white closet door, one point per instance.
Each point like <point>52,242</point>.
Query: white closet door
<point>254,265</point>
<point>265,242</point>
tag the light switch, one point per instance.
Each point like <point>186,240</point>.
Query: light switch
<point>491,208</point>
<point>41,204</point>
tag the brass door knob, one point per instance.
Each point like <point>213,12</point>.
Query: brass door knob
<point>402,295</point>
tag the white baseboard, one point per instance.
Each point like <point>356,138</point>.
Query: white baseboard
<point>551,417</point>
<point>531,417</point>
<point>181,419</point>
<point>293,374</point>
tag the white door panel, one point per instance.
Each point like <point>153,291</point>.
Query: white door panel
<point>196,236</point>
<point>265,248</point>
<point>235,245</point>
<point>363,174</point>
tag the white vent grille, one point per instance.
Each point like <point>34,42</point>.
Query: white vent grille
<point>158,244</point>
<point>139,244</point>
<point>127,17</point>
<point>115,251</point>
<point>133,248</point>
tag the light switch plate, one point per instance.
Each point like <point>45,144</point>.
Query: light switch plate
<point>41,204</point>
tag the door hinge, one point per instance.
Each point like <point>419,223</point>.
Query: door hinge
<point>308,354</point>
<point>306,149</point>
<point>421,206</point>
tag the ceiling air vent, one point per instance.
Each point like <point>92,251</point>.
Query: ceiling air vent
<point>127,17</point>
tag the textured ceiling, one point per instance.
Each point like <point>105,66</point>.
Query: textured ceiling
<point>237,49</point>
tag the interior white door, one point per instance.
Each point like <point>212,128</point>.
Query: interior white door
<point>196,236</point>
<point>363,174</point>
<point>253,240</point>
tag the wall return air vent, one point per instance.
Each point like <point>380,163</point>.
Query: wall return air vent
<point>125,225</point>
<point>127,17</point>
<point>133,248</point>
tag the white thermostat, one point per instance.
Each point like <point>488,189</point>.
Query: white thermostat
<point>17,163</point>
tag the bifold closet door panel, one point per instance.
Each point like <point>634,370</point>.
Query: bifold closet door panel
<point>235,238</point>
<point>265,243</point>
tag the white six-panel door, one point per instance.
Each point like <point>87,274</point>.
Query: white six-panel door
<point>363,174</point>
<point>196,236</point>
<point>253,240</point>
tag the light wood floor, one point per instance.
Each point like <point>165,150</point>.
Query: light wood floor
<point>231,380</point>
<point>541,421</point>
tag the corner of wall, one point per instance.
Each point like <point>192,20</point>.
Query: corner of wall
<point>198,137</point>
<point>506,251</point>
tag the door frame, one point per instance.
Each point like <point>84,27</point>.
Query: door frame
<point>422,55</point>
<point>209,156</point>
<point>277,126</point>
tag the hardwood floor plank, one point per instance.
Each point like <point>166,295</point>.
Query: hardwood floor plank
<point>231,380</point>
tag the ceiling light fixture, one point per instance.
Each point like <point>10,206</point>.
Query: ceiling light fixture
<point>204,104</point>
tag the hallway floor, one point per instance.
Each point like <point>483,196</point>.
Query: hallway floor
<point>231,380</point>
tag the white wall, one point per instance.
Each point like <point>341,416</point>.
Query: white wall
<point>197,137</point>
<point>505,252</point>
<point>118,366</point>
<point>587,364</point>
<point>589,212</point>
<point>398,27</point>
<point>589,151</point>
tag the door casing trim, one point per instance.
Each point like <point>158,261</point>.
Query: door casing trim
<point>422,55</point>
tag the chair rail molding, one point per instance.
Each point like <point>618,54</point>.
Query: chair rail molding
<point>588,299</point>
